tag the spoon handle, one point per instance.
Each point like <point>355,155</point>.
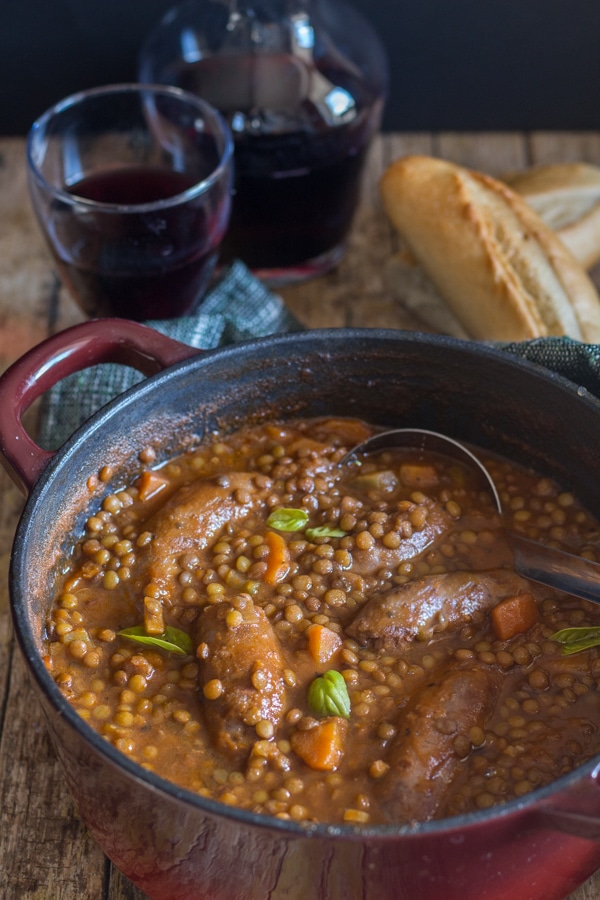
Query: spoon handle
<point>555,568</point>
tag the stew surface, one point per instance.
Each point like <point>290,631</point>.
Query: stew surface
<point>326,642</point>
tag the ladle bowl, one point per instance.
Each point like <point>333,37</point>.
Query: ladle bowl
<point>538,562</point>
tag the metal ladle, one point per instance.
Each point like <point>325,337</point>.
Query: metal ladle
<point>555,568</point>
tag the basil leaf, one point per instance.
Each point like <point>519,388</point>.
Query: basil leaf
<point>173,640</point>
<point>283,519</point>
<point>324,531</point>
<point>574,640</point>
<point>328,695</point>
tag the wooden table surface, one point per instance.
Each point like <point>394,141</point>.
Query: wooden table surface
<point>45,852</point>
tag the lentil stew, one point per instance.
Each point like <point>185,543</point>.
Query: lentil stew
<point>318,642</point>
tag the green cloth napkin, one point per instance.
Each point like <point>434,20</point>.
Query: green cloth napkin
<point>578,362</point>
<point>239,307</point>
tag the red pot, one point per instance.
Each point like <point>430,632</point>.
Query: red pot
<point>174,844</point>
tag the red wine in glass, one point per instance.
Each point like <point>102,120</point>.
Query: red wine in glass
<point>136,263</point>
<point>131,185</point>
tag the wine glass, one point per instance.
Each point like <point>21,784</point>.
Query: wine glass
<point>131,185</point>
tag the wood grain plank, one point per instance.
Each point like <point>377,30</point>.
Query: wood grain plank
<point>396,145</point>
<point>26,280</point>
<point>357,294</point>
<point>490,153</point>
<point>120,888</point>
<point>370,302</point>
<point>10,509</point>
<point>44,848</point>
<point>45,851</point>
<point>589,891</point>
<point>551,147</point>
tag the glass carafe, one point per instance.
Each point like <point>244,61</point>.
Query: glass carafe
<point>302,84</point>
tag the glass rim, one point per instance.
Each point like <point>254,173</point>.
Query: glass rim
<point>133,88</point>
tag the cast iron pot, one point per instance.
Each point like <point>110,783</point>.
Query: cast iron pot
<point>178,846</point>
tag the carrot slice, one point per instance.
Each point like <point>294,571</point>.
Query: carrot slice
<point>278,559</point>
<point>322,747</point>
<point>150,483</point>
<point>514,615</point>
<point>323,644</point>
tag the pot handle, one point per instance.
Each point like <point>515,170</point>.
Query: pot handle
<point>76,348</point>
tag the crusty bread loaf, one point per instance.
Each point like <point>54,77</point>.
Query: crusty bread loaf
<point>567,197</point>
<point>500,269</point>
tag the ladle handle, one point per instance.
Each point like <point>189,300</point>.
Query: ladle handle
<point>69,351</point>
<point>551,567</point>
<point>555,568</point>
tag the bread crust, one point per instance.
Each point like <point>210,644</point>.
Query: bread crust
<point>500,269</point>
<point>566,196</point>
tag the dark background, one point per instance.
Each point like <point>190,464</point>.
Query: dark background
<point>455,64</point>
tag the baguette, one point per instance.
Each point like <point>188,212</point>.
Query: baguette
<point>502,272</point>
<point>567,197</point>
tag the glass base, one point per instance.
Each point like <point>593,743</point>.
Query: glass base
<point>312,268</point>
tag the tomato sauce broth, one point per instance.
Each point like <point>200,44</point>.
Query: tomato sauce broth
<point>319,641</point>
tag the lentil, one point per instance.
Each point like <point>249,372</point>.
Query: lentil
<point>237,704</point>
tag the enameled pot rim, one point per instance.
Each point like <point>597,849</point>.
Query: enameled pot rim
<point>538,800</point>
